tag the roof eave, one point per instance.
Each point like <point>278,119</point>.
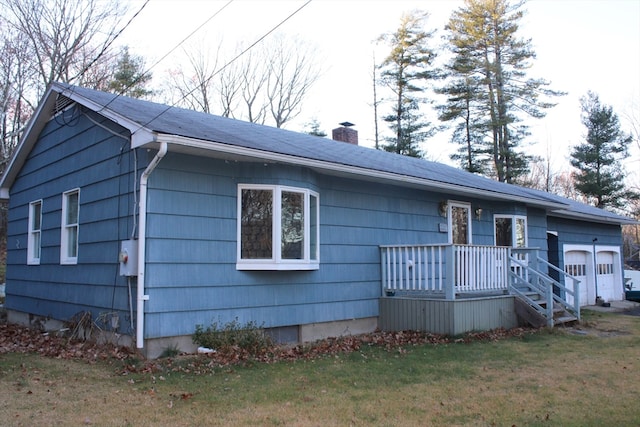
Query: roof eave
<point>262,155</point>
<point>139,133</point>
<point>35,125</point>
<point>42,115</point>
<point>562,213</point>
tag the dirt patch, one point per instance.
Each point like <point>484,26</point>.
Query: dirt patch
<point>632,312</point>
<point>599,332</point>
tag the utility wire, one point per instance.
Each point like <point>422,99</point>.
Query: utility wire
<point>108,45</point>
<point>148,70</point>
<point>230,62</point>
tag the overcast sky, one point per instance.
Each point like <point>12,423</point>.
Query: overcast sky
<point>581,45</point>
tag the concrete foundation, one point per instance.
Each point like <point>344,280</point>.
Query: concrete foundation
<point>155,347</point>
<point>318,331</point>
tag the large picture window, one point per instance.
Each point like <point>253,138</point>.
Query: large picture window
<point>510,230</point>
<point>70,227</point>
<point>277,228</point>
<point>35,233</point>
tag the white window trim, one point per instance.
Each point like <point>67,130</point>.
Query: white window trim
<point>513,218</point>
<point>276,262</point>
<point>465,205</point>
<point>64,235</point>
<point>31,241</point>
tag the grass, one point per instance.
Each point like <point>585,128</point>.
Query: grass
<point>548,378</point>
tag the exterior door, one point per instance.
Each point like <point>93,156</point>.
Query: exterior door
<point>575,264</point>
<point>459,223</point>
<point>605,276</point>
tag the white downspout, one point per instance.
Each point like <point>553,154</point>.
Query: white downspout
<point>142,237</point>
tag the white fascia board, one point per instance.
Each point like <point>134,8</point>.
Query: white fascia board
<point>31,132</point>
<point>345,169</point>
<point>593,218</point>
<point>138,132</point>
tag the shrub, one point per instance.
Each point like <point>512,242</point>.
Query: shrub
<point>231,336</point>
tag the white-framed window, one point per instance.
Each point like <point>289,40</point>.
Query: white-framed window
<point>35,233</point>
<point>70,227</point>
<point>459,219</point>
<point>278,228</point>
<point>510,230</point>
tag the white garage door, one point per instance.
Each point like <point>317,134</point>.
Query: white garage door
<point>575,264</point>
<point>606,277</point>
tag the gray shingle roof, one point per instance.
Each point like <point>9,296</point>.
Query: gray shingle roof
<point>163,119</point>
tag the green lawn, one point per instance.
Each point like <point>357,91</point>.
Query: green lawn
<point>556,378</point>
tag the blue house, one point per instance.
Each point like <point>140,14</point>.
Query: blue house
<point>156,219</point>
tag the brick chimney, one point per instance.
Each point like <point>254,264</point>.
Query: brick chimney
<point>345,133</point>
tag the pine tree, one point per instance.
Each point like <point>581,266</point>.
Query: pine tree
<point>314,128</point>
<point>488,91</point>
<point>129,78</point>
<point>600,176</point>
<point>405,71</point>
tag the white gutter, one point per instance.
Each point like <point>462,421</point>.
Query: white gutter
<point>181,141</point>
<point>142,249</point>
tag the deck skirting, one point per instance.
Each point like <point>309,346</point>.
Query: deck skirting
<point>447,317</point>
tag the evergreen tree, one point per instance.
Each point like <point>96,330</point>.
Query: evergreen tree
<point>129,78</point>
<point>600,175</point>
<point>488,91</point>
<point>314,128</point>
<point>405,71</point>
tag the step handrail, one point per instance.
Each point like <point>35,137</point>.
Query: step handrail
<point>547,289</point>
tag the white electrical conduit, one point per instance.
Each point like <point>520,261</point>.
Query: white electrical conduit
<point>141,297</point>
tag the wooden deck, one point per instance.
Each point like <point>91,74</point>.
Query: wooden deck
<point>453,289</point>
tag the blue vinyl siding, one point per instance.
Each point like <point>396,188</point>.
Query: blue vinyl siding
<point>582,233</point>
<point>191,275</point>
<point>72,152</point>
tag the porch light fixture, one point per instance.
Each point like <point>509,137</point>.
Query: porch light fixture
<point>442,208</point>
<point>478,213</point>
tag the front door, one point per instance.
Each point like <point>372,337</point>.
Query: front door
<point>459,223</point>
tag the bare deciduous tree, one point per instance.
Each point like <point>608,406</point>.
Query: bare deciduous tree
<point>15,106</point>
<point>269,81</point>
<point>66,36</point>
<point>254,76</point>
<point>43,41</point>
<point>292,72</point>
<point>193,84</point>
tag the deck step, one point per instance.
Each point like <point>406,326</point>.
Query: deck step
<point>564,320</point>
<point>538,319</point>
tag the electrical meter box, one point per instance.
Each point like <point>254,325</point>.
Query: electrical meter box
<point>128,258</point>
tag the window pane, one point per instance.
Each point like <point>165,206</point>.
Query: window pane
<point>72,208</point>
<point>292,225</point>
<point>460,225</point>
<point>72,242</point>
<point>36,246</point>
<point>520,233</point>
<point>313,227</point>
<point>503,232</point>
<point>37,214</point>
<point>256,226</point>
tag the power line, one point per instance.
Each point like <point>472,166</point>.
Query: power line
<point>148,70</point>
<point>108,45</point>
<point>228,63</point>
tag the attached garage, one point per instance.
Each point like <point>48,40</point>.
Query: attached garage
<point>600,277</point>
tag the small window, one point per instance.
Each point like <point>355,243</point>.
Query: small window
<point>70,227</point>
<point>510,230</point>
<point>277,228</point>
<point>35,233</point>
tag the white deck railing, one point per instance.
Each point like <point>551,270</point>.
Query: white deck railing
<point>444,269</point>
